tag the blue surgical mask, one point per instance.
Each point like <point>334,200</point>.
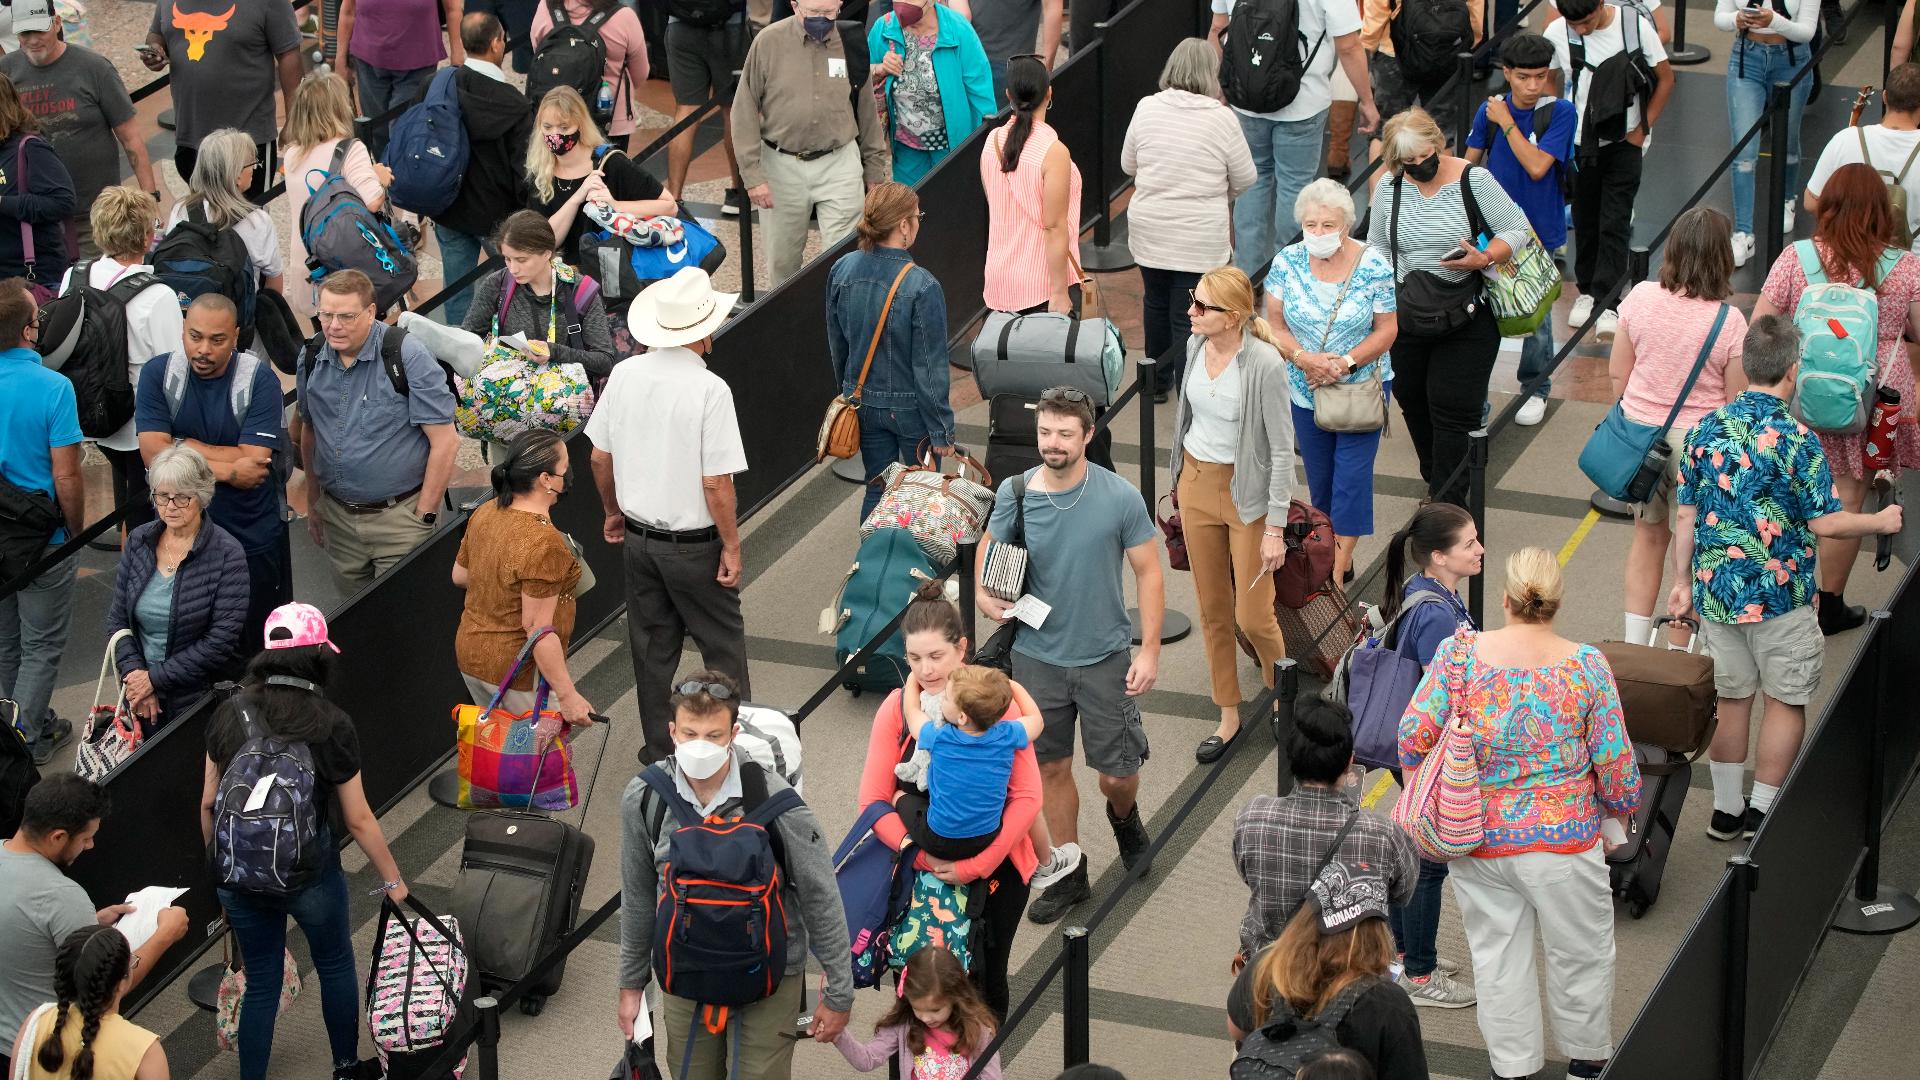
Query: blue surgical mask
<point>817,27</point>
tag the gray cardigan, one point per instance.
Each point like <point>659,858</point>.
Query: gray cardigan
<point>1263,465</point>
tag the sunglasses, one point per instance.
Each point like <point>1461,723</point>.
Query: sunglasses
<point>1065,393</point>
<point>1193,300</point>
<point>714,690</point>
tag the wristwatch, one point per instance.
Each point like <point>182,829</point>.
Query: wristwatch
<point>430,516</point>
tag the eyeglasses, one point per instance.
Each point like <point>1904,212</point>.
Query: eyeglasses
<point>714,690</point>
<point>338,318</point>
<point>1065,393</point>
<point>1193,300</point>
<point>163,500</point>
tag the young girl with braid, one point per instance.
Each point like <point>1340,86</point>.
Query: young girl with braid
<point>82,1036</point>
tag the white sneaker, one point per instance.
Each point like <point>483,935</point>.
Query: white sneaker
<point>1582,311</point>
<point>1604,327</point>
<point>1532,411</point>
<point>1065,858</point>
<point>1742,248</point>
<point>1443,964</point>
<point>1439,991</point>
<point>1787,218</point>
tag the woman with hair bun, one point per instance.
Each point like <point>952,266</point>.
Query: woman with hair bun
<point>899,369</point>
<point>521,573</point>
<point>1033,203</point>
<point>82,1036</point>
<point>1558,779</point>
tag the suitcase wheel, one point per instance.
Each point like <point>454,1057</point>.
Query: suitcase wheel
<point>532,1004</point>
<point>1637,908</point>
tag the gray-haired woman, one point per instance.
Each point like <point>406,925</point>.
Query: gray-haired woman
<point>182,591</point>
<point>1189,159</point>
<point>223,172</point>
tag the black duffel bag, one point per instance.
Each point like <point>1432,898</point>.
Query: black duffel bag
<point>28,520</point>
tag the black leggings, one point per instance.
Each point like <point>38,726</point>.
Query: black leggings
<point>912,805</point>
<point>993,931</point>
<point>1442,384</point>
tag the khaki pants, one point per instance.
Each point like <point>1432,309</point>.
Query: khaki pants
<point>833,184</point>
<point>363,546</point>
<point>1225,555</point>
<point>765,1032</point>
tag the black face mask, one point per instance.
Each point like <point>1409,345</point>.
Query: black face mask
<point>1422,171</point>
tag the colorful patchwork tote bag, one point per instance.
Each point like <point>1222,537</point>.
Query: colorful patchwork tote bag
<point>1441,806</point>
<point>503,760</point>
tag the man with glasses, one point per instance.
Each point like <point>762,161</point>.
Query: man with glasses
<point>225,404</point>
<point>378,441</point>
<point>1079,522</point>
<point>39,470</point>
<point>227,56</point>
<point>800,152</point>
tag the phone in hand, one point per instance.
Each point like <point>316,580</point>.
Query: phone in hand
<point>1456,254</point>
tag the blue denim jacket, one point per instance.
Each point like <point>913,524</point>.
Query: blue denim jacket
<point>910,367</point>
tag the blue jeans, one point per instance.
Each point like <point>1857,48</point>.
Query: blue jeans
<point>1416,924</point>
<point>33,635</point>
<point>1287,155</point>
<point>1536,353</point>
<point>260,926</point>
<point>382,89</point>
<point>886,436</point>
<point>1751,72</point>
<point>459,254</point>
<point>1339,471</point>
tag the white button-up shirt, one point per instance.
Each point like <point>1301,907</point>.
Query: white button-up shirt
<point>668,422</point>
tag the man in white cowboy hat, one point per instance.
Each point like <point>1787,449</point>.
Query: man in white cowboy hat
<point>666,444</point>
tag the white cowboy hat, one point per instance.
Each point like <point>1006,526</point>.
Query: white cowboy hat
<point>679,310</point>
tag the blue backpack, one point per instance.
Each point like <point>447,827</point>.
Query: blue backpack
<point>266,818</point>
<point>1839,326</point>
<point>876,886</point>
<point>888,569</point>
<point>341,233</point>
<point>428,150</point>
<point>1375,680</point>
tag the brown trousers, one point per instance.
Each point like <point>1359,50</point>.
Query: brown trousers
<point>1225,555</point>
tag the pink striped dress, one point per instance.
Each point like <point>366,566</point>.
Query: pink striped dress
<point>1017,275</point>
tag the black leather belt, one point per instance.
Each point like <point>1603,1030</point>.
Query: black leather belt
<point>377,506</point>
<point>806,155</point>
<point>691,536</point>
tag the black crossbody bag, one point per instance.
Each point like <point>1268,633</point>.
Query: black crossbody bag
<point>1429,305</point>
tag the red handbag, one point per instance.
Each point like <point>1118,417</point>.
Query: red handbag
<point>1308,569</point>
<point>1176,539</point>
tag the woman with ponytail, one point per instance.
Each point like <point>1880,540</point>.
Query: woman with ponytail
<point>1555,764</point>
<point>82,1036</point>
<point>520,573</point>
<point>1033,203</point>
<point>1233,478</point>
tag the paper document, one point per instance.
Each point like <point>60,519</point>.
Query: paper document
<point>1031,610</point>
<point>141,923</point>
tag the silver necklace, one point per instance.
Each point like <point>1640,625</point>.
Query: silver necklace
<point>1048,495</point>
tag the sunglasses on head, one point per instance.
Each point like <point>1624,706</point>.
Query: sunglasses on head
<point>714,690</point>
<point>1065,393</point>
<point>1193,300</point>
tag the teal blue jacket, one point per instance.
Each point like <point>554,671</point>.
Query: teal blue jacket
<point>959,68</point>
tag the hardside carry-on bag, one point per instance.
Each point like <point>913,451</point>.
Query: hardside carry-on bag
<point>1666,693</point>
<point>1636,866</point>
<point>1027,355</point>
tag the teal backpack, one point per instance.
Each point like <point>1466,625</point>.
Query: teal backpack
<point>888,569</point>
<point>1839,328</point>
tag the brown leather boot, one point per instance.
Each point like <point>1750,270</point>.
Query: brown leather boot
<point>1340,137</point>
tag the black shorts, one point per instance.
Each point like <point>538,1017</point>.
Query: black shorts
<point>912,808</point>
<point>703,61</point>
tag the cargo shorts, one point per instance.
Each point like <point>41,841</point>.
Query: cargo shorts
<point>1781,657</point>
<point>1111,734</point>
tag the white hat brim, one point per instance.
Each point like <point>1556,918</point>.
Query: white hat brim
<point>643,321</point>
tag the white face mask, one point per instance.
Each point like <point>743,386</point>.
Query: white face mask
<point>700,759</point>
<point>1323,245</point>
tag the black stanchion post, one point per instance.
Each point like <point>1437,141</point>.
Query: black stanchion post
<point>966,590</point>
<point>1877,908</point>
<point>1477,506</point>
<point>1076,994</point>
<point>1108,251</point>
<point>746,252</point>
<point>1680,52</point>
<point>1776,187</point>
<point>1173,625</point>
<point>1463,118</point>
<point>487,1010</point>
<point>1639,264</point>
<point>1286,687</point>
<point>1733,1017</point>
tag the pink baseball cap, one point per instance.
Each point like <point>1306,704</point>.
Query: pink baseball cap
<point>303,622</point>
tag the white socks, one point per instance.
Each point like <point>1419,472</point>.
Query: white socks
<point>1763,795</point>
<point>1729,780</point>
<point>1638,628</point>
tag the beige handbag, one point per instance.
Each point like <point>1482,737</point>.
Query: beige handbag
<point>840,431</point>
<point>585,583</point>
<point>1349,408</point>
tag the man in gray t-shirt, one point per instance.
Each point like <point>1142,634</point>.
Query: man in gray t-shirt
<point>227,56</point>
<point>1080,523</point>
<point>1007,28</point>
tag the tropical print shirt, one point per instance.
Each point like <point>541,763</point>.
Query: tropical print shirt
<point>1755,477</point>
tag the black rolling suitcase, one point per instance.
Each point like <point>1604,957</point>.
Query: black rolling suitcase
<point>518,895</point>
<point>1012,432</point>
<point>1637,866</point>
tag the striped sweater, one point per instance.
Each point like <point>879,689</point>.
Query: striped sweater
<point>1431,227</point>
<point>1188,157</point>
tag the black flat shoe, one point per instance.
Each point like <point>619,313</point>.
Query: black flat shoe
<point>1347,578</point>
<point>1211,748</point>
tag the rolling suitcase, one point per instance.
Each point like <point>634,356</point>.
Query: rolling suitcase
<point>1637,866</point>
<point>518,894</point>
<point>1012,434</point>
<point>1666,693</point>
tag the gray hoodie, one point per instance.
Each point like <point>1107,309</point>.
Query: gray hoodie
<point>811,896</point>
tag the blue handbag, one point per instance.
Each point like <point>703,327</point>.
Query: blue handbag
<point>1626,458</point>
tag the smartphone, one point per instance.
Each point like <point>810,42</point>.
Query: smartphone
<point>1456,253</point>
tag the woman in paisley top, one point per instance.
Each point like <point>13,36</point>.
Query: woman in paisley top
<point>1544,716</point>
<point>1330,301</point>
<point>934,82</point>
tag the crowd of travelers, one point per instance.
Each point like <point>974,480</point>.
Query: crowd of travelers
<point>1284,324</point>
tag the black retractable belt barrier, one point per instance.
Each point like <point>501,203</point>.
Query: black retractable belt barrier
<point>1874,907</point>
<point>1477,506</point>
<point>1744,877</point>
<point>1286,685</point>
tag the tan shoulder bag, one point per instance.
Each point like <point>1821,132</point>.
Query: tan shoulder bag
<point>840,431</point>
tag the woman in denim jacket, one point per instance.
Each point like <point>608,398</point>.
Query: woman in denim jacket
<point>904,399</point>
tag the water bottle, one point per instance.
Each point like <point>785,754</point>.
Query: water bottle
<point>1883,421</point>
<point>603,101</point>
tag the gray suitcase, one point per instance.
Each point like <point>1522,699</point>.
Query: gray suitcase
<point>1026,355</point>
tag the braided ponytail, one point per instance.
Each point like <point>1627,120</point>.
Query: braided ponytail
<point>87,973</point>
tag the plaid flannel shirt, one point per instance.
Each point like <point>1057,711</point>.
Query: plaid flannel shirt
<point>1279,842</point>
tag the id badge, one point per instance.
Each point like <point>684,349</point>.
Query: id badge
<point>836,68</point>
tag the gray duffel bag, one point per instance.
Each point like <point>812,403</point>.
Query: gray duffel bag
<point>1026,355</point>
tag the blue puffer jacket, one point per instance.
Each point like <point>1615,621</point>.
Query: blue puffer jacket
<point>910,367</point>
<point>210,595</point>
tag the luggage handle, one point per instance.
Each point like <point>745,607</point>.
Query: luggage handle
<point>1073,333</point>
<point>1693,633</point>
<point>930,462</point>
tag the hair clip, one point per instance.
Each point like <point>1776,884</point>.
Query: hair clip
<point>900,985</point>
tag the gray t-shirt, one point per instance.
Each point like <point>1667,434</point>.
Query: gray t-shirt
<point>78,99</point>
<point>221,54</point>
<point>1076,542</point>
<point>39,907</point>
<point>1006,27</point>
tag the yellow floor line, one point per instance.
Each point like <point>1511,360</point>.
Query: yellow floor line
<point>1580,534</point>
<point>1380,787</point>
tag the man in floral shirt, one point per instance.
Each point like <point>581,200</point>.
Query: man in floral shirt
<point>1754,494</point>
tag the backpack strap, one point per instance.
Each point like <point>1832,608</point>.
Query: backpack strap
<point>1393,223</point>
<point>1343,1002</point>
<point>174,384</point>
<point>1475,220</point>
<point>130,286</point>
<point>1390,634</point>
<point>394,361</point>
<point>240,392</point>
<point>656,778</point>
<point>1809,262</point>
<point>1542,119</point>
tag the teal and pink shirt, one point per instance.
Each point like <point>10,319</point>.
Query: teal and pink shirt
<point>1554,754</point>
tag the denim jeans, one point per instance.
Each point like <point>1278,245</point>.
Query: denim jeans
<point>1163,313</point>
<point>1751,72</point>
<point>260,926</point>
<point>1536,353</point>
<point>33,634</point>
<point>459,253</point>
<point>382,89</point>
<point>886,436</point>
<point>1287,155</point>
<point>1416,924</point>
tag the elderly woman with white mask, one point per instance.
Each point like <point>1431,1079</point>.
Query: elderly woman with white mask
<point>1330,300</point>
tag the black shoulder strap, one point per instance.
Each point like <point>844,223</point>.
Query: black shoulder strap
<point>1338,839</point>
<point>1345,1000</point>
<point>394,362</point>
<point>1020,512</point>
<point>1393,224</point>
<point>853,46</point>
<point>1475,221</point>
<point>1542,119</point>
<point>340,151</point>
<point>127,287</point>
<point>197,213</point>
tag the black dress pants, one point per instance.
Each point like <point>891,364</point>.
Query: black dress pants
<point>1441,384</point>
<point>672,592</point>
<point>1603,192</point>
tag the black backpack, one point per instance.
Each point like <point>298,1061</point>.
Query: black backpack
<point>574,56</point>
<point>198,257</point>
<point>84,337</point>
<point>1283,1046</point>
<point>702,13</point>
<point>1620,80</point>
<point>17,771</point>
<point>1428,36</point>
<point>1265,56</point>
